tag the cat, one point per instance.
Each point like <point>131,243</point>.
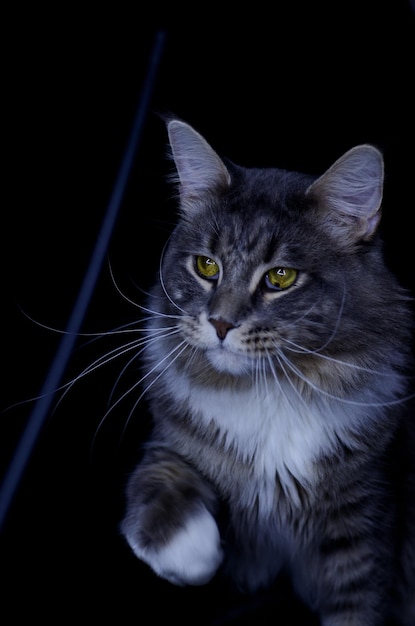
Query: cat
<point>277,370</point>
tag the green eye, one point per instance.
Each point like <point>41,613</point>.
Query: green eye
<point>280,277</point>
<point>207,267</point>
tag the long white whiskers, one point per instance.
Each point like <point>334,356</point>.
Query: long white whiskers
<point>162,281</point>
<point>274,374</point>
<point>327,394</point>
<point>139,382</point>
<point>161,334</point>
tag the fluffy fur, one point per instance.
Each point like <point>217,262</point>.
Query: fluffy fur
<point>276,370</point>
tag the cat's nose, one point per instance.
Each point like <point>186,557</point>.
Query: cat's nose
<point>221,326</point>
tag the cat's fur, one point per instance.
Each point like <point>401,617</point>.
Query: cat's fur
<point>275,369</point>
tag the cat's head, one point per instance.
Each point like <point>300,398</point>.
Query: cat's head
<point>267,262</point>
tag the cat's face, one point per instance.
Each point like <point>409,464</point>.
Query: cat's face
<point>273,274</point>
<point>253,275</point>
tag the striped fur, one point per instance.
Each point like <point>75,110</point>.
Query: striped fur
<point>276,369</point>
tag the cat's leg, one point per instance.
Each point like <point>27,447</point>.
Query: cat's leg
<point>169,522</point>
<point>344,587</point>
<point>347,571</point>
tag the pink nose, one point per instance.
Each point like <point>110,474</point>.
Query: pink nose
<point>221,327</point>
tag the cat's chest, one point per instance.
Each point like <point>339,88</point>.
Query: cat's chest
<point>275,428</point>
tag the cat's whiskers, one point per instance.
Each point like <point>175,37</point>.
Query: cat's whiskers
<point>279,357</point>
<point>155,334</point>
<point>297,349</point>
<point>324,392</point>
<point>163,286</point>
<point>193,352</point>
<point>143,308</point>
<point>111,355</point>
<point>99,362</point>
<point>176,351</point>
<point>259,376</point>
<point>104,359</point>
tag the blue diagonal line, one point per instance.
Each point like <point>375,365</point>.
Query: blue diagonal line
<point>40,411</point>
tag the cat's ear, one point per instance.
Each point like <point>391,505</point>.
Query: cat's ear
<point>350,192</point>
<point>198,166</point>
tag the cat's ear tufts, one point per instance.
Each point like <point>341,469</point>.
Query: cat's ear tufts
<point>351,190</point>
<point>198,166</point>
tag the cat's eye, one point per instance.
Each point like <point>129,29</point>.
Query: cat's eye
<point>207,267</point>
<point>280,277</point>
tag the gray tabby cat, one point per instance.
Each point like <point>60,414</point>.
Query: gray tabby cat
<point>276,372</point>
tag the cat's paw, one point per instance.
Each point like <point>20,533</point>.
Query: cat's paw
<point>191,557</point>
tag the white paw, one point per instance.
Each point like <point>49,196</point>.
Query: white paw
<point>191,557</point>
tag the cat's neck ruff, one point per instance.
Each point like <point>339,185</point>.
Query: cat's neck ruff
<point>271,424</point>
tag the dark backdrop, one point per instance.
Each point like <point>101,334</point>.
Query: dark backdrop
<point>294,88</point>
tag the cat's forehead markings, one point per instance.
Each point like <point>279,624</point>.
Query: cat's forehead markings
<point>278,258</point>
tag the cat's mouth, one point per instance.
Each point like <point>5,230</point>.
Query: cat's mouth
<point>225,360</point>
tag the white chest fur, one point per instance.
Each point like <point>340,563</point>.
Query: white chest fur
<point>273,426</point>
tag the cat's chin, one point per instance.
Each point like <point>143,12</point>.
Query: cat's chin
<point>229,362</point>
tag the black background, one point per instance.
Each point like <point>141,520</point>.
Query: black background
<point>291,87</point>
